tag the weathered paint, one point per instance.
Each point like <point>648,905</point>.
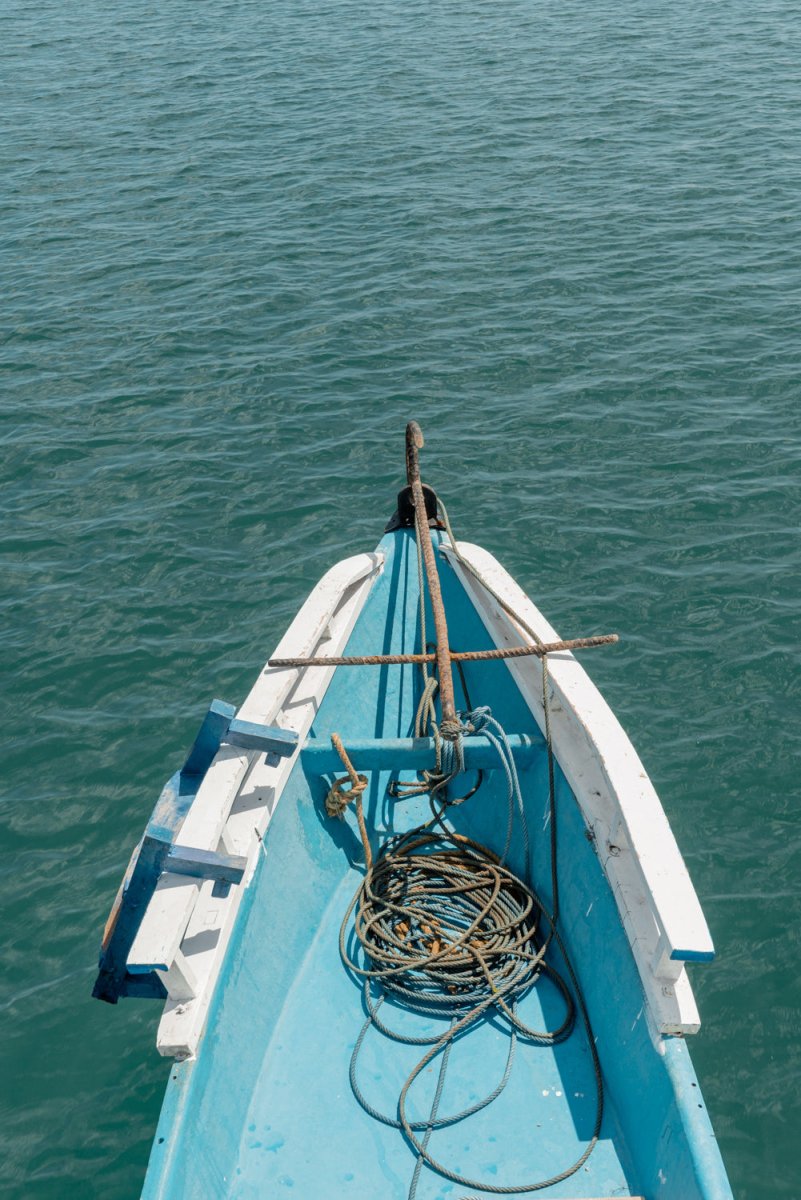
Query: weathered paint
<point>415,754</point>
<point>269,738</point>
<point>237,816</point>
<point>211,733</point>
<point>205,864</point>
<point>138,885</point>
<point>157,855</point>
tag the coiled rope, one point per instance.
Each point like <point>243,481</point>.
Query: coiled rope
<point>443,926</point>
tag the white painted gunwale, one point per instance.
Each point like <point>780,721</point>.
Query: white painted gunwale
<point>186,929</point>
<point>656,899</point>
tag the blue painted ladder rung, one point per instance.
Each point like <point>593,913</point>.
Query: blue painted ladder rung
<point>211,733</point>
<point>269,738</point>
<point>205,864</point>
<point>221,724</point>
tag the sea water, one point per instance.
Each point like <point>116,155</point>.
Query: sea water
<point>242,244</point>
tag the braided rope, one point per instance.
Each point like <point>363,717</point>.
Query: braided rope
<point>339,798</point>
<point>444,927</point>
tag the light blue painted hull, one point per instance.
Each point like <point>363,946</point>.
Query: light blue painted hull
<point>266,1108</point>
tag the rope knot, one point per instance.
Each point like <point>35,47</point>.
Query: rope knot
<point>340,796</point>
<point>478,719</point>
<point>450,730</point>
<point>451,758</point>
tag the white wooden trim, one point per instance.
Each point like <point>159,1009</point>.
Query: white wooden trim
<point>163,924</point>
<point>634,842</point>
<point>238,796</point>
<point>167,915</point>
<point>180,980</point>
<point>206,818</point>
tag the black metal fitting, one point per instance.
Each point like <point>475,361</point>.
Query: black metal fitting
<point>403,517</point>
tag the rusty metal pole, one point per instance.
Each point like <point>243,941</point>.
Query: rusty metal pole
<point>449,723</point>
<point>535,650</point>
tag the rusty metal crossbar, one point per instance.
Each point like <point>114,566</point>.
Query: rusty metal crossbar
<point>443,655</point>
<point>379,660</point>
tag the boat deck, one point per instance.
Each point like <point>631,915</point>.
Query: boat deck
<point>305,1135</point>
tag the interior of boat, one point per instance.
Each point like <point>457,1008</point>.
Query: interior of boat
<point>275,1103</point>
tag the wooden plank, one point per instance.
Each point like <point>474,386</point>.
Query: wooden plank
<point>179,980</point>
<point>165,921</point>
<point>142,877</point>
<point>163,924</point>
<point>205,820</point>
<point>250,735</point>
<point>124,922</point>
<point>171,807</point>
<point>214,727</point>
<point>205,864</point>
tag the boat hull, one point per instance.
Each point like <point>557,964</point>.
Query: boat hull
<point>265,1106</point>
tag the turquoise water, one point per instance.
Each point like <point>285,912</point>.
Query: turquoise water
<point>242,244</point>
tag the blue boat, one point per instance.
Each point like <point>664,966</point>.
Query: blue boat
<point>415,913</point>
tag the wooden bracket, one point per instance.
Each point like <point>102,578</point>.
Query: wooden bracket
<point>157,854</point>
<point>205,864</point>
<point>221,725</point>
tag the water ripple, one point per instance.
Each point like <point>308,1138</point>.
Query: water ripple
<point>243,244</point>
